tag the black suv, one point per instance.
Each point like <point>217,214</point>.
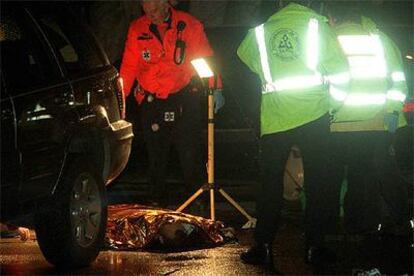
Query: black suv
<point>63,133</point>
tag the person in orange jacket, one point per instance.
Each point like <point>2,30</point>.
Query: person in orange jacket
<point>158,53</point>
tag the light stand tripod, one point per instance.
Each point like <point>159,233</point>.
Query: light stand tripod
<point>210,186</point>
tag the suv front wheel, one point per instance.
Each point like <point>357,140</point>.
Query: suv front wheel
<point>71,229</point>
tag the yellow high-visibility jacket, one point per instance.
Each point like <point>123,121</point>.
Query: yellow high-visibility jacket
<point>298,58</point>
<point>377,85</point>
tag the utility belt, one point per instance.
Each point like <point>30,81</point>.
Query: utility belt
<point>165,112</point>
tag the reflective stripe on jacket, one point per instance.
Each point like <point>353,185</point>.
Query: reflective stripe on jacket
<point>377,79</point>
<point>296,56</point>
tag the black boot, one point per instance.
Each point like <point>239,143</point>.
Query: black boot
<point>260,254</point>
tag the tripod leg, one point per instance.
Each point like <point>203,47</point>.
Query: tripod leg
<point>191,199</point>
<point>212,206</point>
<point>252,221</point>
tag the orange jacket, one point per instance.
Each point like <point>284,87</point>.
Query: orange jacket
<point>151,62</point>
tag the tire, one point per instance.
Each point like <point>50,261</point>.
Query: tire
<point>71,229</point>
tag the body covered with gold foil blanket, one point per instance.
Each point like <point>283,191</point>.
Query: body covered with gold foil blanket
<point>133,226</point>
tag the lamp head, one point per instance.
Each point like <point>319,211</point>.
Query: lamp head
<point>202,68</point>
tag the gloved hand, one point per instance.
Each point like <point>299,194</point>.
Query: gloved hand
<point>219,100</point>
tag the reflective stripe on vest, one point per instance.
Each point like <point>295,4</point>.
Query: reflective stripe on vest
<point>396,95</point>
<point>312,45</point>
<point>397,76</point>
<point>365,55</point>
<point>378,98</point>
<point>356,98</point>
<point>337,94</point>
<point>263,53</point>
<point>296,82</point>
<point>338,82</point>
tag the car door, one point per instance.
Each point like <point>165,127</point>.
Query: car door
<point>37,91</point>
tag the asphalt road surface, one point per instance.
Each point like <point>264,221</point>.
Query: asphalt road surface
<point>390,255</point>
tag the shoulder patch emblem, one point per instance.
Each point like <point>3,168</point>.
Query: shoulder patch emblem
<point>285,44</point>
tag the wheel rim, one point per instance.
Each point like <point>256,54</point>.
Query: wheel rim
<point>86,209</point>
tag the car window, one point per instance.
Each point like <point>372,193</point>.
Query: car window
<point>73,44</point>
<point>25,62</point>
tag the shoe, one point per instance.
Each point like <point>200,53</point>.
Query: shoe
<point>260,254</point>
<point>316,255</point>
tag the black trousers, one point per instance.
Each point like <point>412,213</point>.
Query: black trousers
<point>375,193</point>
<point>312,139</point>
<point>172,122</point>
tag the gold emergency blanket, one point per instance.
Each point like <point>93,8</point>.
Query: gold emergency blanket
<point>133,226</point>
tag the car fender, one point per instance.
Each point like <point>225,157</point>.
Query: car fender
<point>87,137</point>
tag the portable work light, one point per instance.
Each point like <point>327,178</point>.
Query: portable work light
<point>204,71</point>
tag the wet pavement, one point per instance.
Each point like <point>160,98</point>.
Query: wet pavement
<point>391,254</point>
<point>24,258</point>
<point>355,254</point>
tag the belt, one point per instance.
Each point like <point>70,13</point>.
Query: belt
<point>150,96</point>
